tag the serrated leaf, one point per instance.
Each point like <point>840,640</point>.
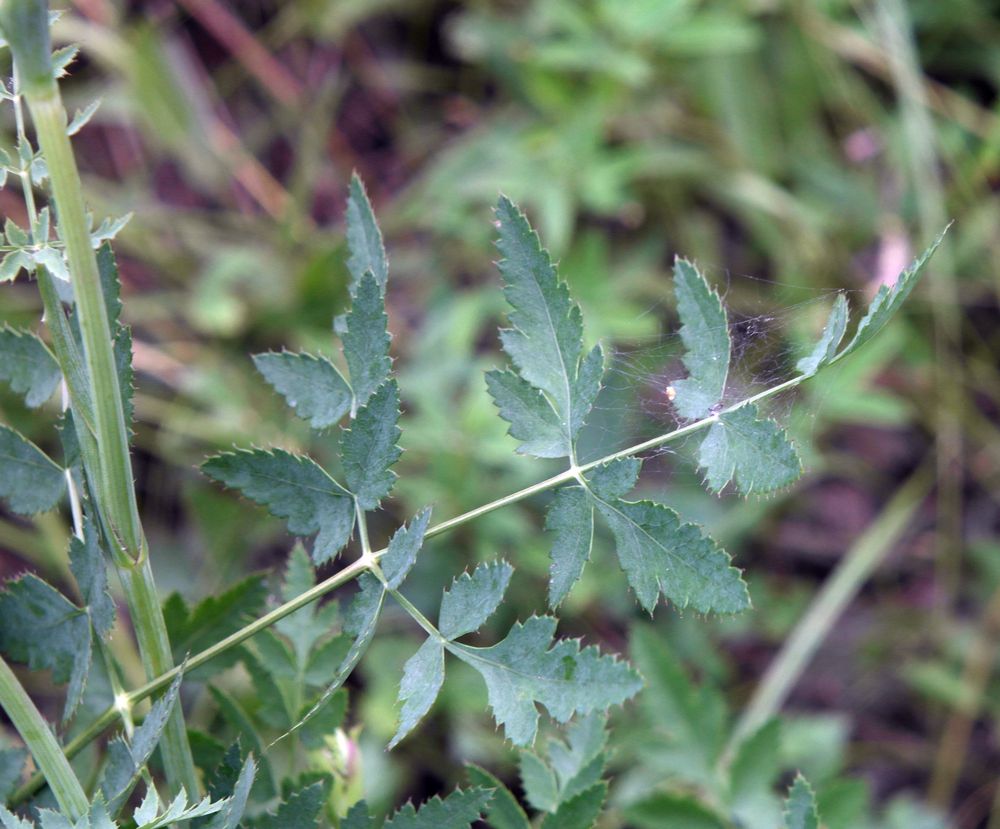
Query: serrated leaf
<point>126,761</point>
<point>43,629</point>
<point>86,560</point>
<point>752,451</point>
<point>660,554</point>
<point>404,545</point>
<point>15,234</point>
<point>423,676</point>
<point>82,117</point>
<point>311,385</point>
<point>291,487</point>
<point>178,811</point>
<point>366,340</point>
<point>369,447</point>
<point>538,781</point>
<point>212,619</point>
<point>826,347</point>
<point>107,230</point>
<point>532,419</point>
<point>300,811</point>
<point>546,340</point>
<point>11,821</point>
<point>230,815</point>
<point>570,518</point>
<point>223,777</point>
<point>472,599</point>
<point>705,334</point>
<point>364,239</point>
<point>27,366</point>
<point>62,58</point>
<point>12,264</point>
<point>30,481</point>
<point>579,763</point>
<point>503,812</point>
<point>888,299</point>
<point>663,809</point>
<point>614,479</point>
<point>310,624</point>
<point>52,260</point>
<point>800,808</point>
<point>457,811</point>
<point>579,812</point>
<point>527,668</point>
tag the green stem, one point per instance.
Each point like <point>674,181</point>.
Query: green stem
<point>833,598</point>
<point>106,451</point>
<point>40,740</point>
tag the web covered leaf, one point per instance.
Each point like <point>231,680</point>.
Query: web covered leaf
<point>30,481</point>
<point>41,628</point>
<point>369,447</point>
<point>291,487</point>
<point>752,451</point>
<point>829,341</point>
<point>705,334</point>
<point>527,668</point>
<point>545,344</point>
<point>27,366</point>
<point>311,385</point>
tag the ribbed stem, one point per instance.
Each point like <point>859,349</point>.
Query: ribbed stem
<point>42,744</point>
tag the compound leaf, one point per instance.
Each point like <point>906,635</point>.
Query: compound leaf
<point>364,239</point>
<point>659,553</point>
<point>86,560</point>
<point>800,808</point>
<point>30,481</point>
<point>532,419</point>
<point>403,548</point>
<point>42,628</point>
<point>571,519</point>
<point>423,676</point>
<point>369,447</point>
<point>826,347</point>
<point>705,334</point>
<point>27,366</point>
<point>366,340</point>
<point>527,668</point>
<point>472,599</point>
<point>580,811</point>
<point>546,339</point>
<point>457,811</point>
<point>888,300</point>
<point>752,451</point>
<point>291,487</point>
<point>311,385</point>
<point>503,812</point>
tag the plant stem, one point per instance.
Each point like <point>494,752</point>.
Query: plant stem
<point>40,740</point>
<point>828,606</point>
<point>106,452</point>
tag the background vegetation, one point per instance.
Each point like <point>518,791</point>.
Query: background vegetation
<point>791,148</point>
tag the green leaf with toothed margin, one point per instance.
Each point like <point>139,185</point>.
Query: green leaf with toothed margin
<point>472,599</point>
<point>888,299</point>
<point>369,447</point>
<point>27,366</point>
<point>364,239</point>
<point>580,811</point>
<point>403,548</point>
<point>298,811</point>
<point>660,554</point>
<point>800,808</point>
<point>754,452</point>
<point>41,628</point>
<point>423,676</point>
<point>504,812</point>
<point>705,334</point>
<point>30,481</point>
<point>310,385</point>
<point>366,340</point>
<point>570,518</point>
<point>614,479</point>
<point>459,810</point>
<point>546,340</point>
<point>526,668</point>
<point>826,347</point>
<point>532,419</point>
<point>86,560</point>
<point>291,487</point>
